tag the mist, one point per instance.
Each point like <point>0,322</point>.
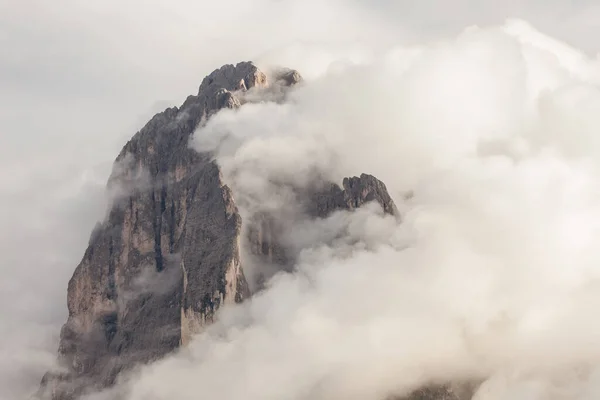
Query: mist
<point>490,275</point>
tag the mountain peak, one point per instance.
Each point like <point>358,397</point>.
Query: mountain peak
<point>168,255</point>
<point>242,76</point>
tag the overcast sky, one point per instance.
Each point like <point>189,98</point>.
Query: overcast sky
<point>78,78</point>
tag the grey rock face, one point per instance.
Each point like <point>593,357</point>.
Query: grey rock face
<point>287,77</point>
<point>462,391</point>
<point>167,255</point>
<point>354,193</point>
<point>266,230</point>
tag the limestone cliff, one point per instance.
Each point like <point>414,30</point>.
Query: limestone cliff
<point>167,255</point>
<point>460,391</point>
<point>266,229</point>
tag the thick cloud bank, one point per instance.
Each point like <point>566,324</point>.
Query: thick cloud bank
<point>488,143</point>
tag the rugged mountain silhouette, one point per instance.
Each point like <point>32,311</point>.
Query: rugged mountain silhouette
<point>168,255</point>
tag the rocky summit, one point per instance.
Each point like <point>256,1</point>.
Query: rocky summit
<point>167,256</point>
